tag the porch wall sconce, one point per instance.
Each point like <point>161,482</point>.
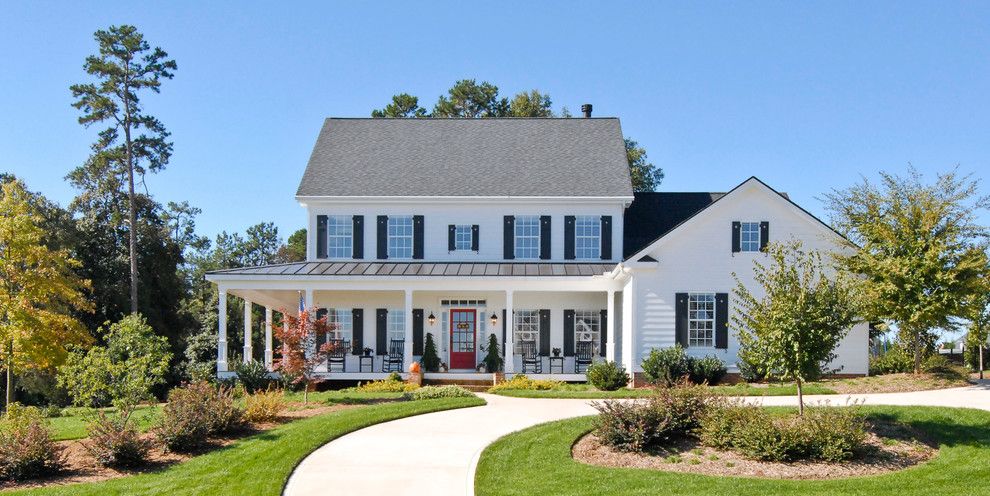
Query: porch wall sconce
<point>494,319</point>
<point>432,318</point>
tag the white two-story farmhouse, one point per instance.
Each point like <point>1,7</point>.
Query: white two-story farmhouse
<point>525,229</point>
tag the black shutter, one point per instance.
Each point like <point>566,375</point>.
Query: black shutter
<point>681,319</point>
<point>544,332</point>
<point>451,235</point>
<point>321,236</point>
<point>358,236</point>
<point>475,240</point>
<point>602,326</point>
<point>722,320</point>
<point>357,330</point>
<point>417,323</point>
<point>505,325</point>
<point>569,237</point>
<point>568,332</point>
<point>735,237</point>
<point>321,313</point>
<point>606,237</point>
<point>418,237</point>
<point>544,237</point>
<point>509,237</point>
<point>764,235</point>
<point>382,237</point>
<point>381,331</point>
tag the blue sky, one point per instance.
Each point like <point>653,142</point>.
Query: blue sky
<point>807,96</point>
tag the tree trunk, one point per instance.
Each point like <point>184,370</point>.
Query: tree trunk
<point>800,392</point>
<point>132,207</point>
<point>981,362</point>
<point>10,374</point>
<point>306,393</point>
<point>917,356</point>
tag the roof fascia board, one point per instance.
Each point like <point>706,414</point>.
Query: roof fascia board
<point>314,200</point>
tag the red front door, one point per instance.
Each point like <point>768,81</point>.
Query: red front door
<point>462,336</point>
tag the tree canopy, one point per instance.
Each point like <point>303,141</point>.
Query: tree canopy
<point>923,254</point>
<point>795,317</point>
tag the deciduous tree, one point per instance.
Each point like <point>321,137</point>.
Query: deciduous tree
<point>791,323</point>
<point>301,351</point>
<point>923,253</point>
<point>39,290</point>
<point>134,142</point>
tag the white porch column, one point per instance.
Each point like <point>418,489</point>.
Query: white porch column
<point>509,319</point>
<point>308,301</point>
<point>222,331</point>
<point>610,326</point>
<point>248,349</point>
<point>407,349</point>
<point>268,338</point>
<point>629,346</point>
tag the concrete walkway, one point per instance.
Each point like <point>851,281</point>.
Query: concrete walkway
<point>436,453</point>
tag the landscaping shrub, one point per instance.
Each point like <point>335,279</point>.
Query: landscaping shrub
<point>751,372</point>
<point>670,413</point>
<point>520,381</point>
<point>493,358</point>
<point>114,440</point>
<point>827,434</point>
<point>194,412</point>
<point>937,364</point>
<point>434,392</point>
<point>392,384</point>
<point>607,376</point>
<point>893,361</point>
<point>252,376</point>
<point>666,366</point>
<point>709,369</point>
<point>430,359</point>
<point>264,406</point>
<point>26,446</point>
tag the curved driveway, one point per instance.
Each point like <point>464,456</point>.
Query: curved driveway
<point>436,453</point>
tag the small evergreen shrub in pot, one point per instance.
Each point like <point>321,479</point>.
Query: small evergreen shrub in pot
<point>434,392</point>
<point>709,369</point>
<point>666,366</point>
<point>114,440</point>
<point>26,446</point>
<point>607,376</point>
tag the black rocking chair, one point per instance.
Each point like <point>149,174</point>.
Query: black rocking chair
<point>532,362</point>
<point>337,353</point>
<point>582,356</point>
<point>392,362</point>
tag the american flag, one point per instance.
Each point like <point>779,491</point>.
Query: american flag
<point>302,303</point>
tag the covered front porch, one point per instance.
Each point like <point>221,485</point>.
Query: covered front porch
<point>548,326</point>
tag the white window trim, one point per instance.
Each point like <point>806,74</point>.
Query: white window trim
<point>338,315</point>
<point>597,220</point>
<point>470,237</point>
<point>714,297</point>
<point>743,243</point>
<point>389,237</point>
<point>395,327</point>
<point>522,323</point>
<point>346,221</point>
<point>516,237</point>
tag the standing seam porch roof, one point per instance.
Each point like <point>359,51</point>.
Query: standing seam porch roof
<point>524,157</point>
<point>408,268</point>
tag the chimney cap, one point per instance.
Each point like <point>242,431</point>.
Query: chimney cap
<point>586,108</point>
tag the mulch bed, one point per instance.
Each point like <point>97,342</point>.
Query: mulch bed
<point>80,466</point>
<point>889,447</point>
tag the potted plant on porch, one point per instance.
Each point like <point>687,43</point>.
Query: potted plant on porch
<point>493,359</point>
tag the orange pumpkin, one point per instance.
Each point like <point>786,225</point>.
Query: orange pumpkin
<point>414,368</point>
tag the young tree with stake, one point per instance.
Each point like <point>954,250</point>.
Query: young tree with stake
<point>800,311</point>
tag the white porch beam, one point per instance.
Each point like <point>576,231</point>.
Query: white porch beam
<point>509,319</point>
<point>610,326</point>
<point>407,355</point>
<point>222,331</point>
<point>268,338</point>
<point>248,349</point>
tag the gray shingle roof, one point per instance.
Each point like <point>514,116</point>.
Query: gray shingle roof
<point>468,157</point>
<point>417,268</point>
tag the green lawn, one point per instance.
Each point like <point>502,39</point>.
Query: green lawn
<point>586,391</point>
<point>259,464</point>
<point>72,423</point>
<point>538,461</point>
